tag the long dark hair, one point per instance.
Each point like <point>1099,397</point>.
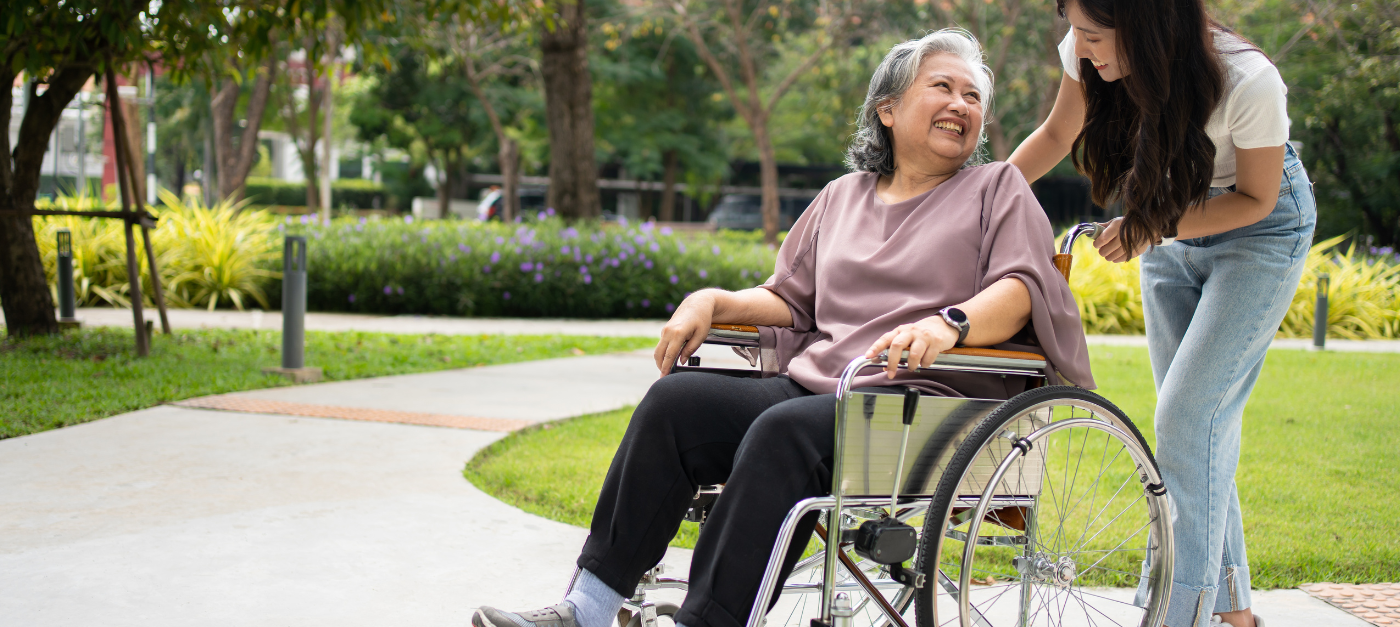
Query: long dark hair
<point>1144,139</point>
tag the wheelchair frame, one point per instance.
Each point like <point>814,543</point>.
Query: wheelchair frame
<point>835,606</point>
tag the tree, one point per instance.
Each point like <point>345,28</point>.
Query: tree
<point>659,109</point>
<point>425,106</point>
<point>737,39</point>
<point>236,160</point>
<point>59,46</point>
<point>568,96</point>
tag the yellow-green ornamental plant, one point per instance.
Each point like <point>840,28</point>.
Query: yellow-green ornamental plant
<point>217,254</point>
<point>1363,295</point>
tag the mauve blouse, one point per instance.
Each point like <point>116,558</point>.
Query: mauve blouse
<point>852,268</point>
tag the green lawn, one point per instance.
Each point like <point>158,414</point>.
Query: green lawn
<point>1319,480</point>
<point>55,381</point>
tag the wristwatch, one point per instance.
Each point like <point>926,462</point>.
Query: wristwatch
<point>956,319</point>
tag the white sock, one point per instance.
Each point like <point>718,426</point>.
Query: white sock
<point>595,604</point>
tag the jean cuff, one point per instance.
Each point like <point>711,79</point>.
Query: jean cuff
<point>1190,606</point>
<point>1233,594</point>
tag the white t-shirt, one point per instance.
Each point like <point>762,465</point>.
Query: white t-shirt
<point>1253,112</point>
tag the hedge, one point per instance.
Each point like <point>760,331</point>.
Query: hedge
<point>539,268</point>
<point>355,193</point>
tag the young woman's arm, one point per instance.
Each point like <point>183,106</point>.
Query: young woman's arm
<point>1257,175</point>
<point>1047,145</point>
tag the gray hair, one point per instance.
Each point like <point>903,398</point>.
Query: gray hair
<point>872,148</point>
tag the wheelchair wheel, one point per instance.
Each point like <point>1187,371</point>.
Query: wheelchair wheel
<point>801,595</point>
<point>1051,512</point>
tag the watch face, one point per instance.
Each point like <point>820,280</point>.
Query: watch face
<point>957,315</point>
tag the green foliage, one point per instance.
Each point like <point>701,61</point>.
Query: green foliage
<point>1363,300</point>
<point>1313,426</point>
<point>207,255</point>
<point>538,268</point>
<point>354,193</point>
<point>55,381</point>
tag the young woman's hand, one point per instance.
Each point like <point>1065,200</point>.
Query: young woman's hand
<point>924,340</point>
<point>685,331</point>
<point>1109,246</point>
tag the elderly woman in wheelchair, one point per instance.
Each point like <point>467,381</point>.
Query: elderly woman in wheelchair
<point>915,253</point>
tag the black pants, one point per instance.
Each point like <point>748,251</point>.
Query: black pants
<point>770,441</point>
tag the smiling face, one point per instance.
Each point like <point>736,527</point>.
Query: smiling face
<point>936,122</point>
<point>1094,42</point>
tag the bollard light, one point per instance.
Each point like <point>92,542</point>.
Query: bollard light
<point>67,300</point>
<point>1320,313</point>
<point>294,313</point>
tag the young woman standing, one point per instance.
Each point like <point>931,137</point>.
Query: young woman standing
<point>1185,123</point>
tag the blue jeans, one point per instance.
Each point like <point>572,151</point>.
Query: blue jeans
<point>1212,305</point>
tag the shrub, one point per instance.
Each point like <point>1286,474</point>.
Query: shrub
<point>207,256</point>
<point>538,268</point>
<point>356,193</point>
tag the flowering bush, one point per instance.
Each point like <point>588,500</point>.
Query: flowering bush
<point>542,267</point>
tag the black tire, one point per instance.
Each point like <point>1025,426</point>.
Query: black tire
<point>989,443</point>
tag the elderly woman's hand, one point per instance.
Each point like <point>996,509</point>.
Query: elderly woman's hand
<point>924,340</point>
<point>685,331</point>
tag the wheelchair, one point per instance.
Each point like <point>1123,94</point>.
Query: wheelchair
<point>1038,510</point>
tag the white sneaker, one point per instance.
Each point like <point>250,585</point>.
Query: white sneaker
<point>1215,620</point>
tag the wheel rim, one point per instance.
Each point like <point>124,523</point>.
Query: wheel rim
<point>1051,544</point>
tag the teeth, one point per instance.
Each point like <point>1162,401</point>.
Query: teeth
<point>952,126</point>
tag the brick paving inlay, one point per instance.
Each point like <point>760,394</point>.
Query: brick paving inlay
<point>1377,603</point>
<point>234,402</point>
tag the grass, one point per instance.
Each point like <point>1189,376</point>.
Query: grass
<point>1318,481</point>
<point>56,381</point>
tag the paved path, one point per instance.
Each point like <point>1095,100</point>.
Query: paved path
<point>174,516</point>
<point>198,318</point>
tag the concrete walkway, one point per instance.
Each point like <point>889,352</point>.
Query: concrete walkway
<point>222,319</point>
<point>174,516</point>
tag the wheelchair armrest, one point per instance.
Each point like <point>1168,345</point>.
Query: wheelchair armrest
<point>988,360</point>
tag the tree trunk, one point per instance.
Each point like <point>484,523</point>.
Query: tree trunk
<point>509,159</point>
<point>24,291</point>
<point>236,162</point>
<point>308,155</point>
<point>768,175</point>
<point>668,192</point>
<point>568,90</point>
<point>448,164</point>
<point>135,138</point>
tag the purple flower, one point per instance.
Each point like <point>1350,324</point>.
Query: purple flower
<point>541,215</point>
<point>388,290</point>
<point>622,255</point>
<point>715,249</point>
<point>681,247</point>
<point>648,264</point>
<point>670,308</point>
<point>352,298</point>
<point>408,219</point>
<point>506,295</point>
<point>496,257</point>
<point>588,258</point>
<point>527,266</point>
<point>538,277</point>
<point>744,273</point>
<point>587,278</point>
<point>549,210</point>
<point>451,257</point>
<point>400,290</point>
<point>564,250</point>
<point>646,303</point>
<point>486,269</point>
<point>656,248</point>
<point>363,220</point>
<point>517,250</point>
<point>538,266</point>
<point>305,219</point>
<point>704,274</point>
<point>646,226</point>
<point>622,220</point>
<point>569,233</point>
<point>466,250</point>
<point>665,230</point>
<point>500,240</point>
<point>675,279</point>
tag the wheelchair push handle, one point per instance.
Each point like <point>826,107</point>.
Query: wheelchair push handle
<point>1064,260</point>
